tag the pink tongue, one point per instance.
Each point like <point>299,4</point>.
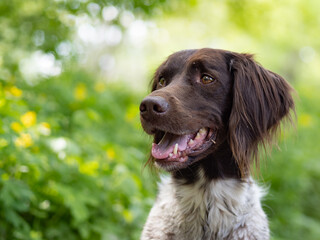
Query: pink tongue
<point>167,143</point>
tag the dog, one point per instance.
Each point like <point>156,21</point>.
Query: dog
<point>209,112</point>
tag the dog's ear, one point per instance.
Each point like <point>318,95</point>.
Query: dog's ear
<point>261,99</point>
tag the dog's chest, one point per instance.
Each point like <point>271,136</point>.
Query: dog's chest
<point>209,209</point>
<point>206,209</point>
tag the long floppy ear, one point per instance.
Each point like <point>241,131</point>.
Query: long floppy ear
<point>261,99</point>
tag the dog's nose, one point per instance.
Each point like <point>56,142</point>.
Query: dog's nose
<point>153,105</point>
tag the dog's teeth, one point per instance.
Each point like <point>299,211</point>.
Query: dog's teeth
<point>203,131</point>
<point>175,150</point>
<point>170,154</point>
<point>198,136</point>
<point>190,142</point>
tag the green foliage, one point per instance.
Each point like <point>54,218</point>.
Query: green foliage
<point>72,153</point>
<point>294,173</point>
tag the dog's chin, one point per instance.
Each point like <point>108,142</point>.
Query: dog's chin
<point>172,152</point>
<point>172,166</point>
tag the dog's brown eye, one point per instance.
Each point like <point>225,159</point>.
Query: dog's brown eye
<point>205,79</point>
<point>162,81</point>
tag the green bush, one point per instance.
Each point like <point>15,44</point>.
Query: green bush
<point>72,156</point>
<point>293,174</point>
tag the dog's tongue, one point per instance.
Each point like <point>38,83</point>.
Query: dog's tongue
<point>167,144</point>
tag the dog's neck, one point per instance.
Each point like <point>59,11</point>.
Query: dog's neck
<point>218,165</point>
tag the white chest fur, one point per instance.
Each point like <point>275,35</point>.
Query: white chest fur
<point>208,210</point>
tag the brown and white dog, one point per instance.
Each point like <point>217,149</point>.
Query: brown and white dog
<point>209,111</point>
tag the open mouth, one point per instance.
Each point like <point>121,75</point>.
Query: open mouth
<point>177,148</point>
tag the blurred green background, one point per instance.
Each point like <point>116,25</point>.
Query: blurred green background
<point>72,74</point>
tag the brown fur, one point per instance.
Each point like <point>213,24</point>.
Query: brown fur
<point>261,99</point>
<point>246,103</point>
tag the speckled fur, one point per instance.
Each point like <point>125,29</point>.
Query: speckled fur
<point>207,210</point>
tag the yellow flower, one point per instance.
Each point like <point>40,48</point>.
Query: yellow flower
<point>29,119</point>
<point>45,128</point>
<point>305,120</point>
<point>2,102</point>
<point>132,112</point>
<point>46,125</point>
<point>99,87</point>
<point>89,168</point>
<point>110,153</point>
<point>15,91</point>
<point>24,140</point>
<point>5,176</point>
<point>35,235</point>
<point>127,215</point>
<point>80,92</point>
<point>17,127</point>
<point>3,142</point>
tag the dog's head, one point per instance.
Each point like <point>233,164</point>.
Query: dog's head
<point>204,98</point>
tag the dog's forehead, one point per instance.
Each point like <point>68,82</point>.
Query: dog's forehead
<point>181,56</point>
<point>178,59</point>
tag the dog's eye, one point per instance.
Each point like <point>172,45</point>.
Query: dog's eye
<point>205,79</point>
<point>162,81</point>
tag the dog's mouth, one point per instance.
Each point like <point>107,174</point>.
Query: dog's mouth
<point>177,148</point>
